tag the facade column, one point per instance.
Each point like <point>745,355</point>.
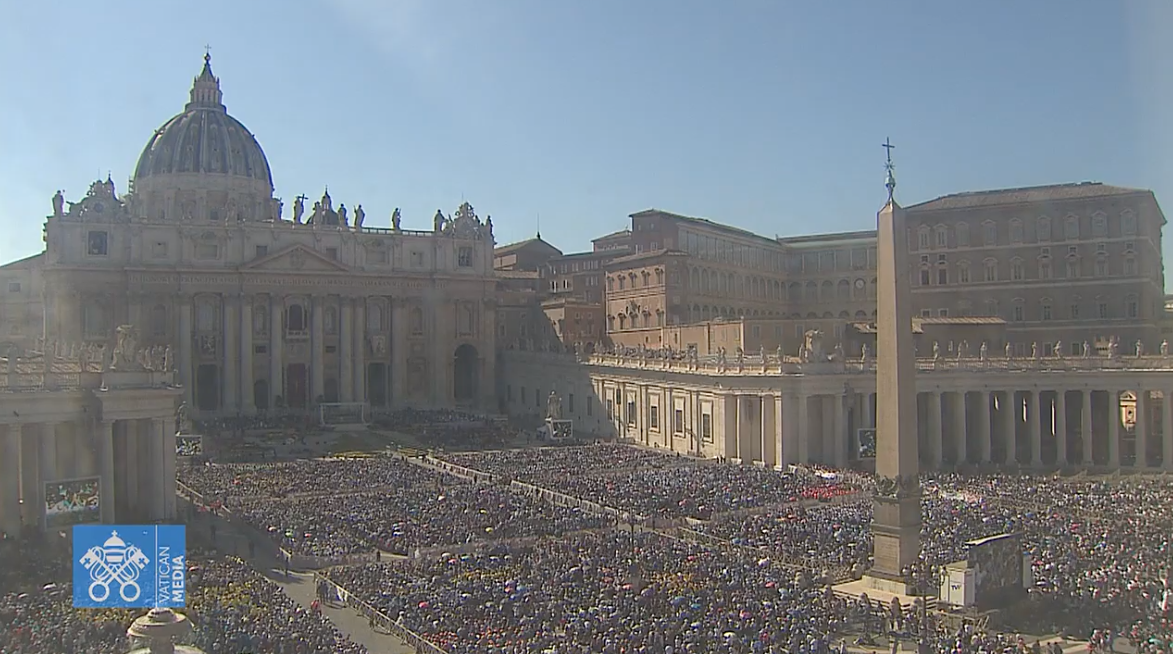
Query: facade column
<point>787,438</point>
<point>10,481</point>
<point>984,434</point>
<point>960,444</point>
<point>230,395</point>
<point>105,438</point>
<point>186,374</point>
<point>399,346</point>
<point>359,348</point>
<point>276,356</point>
<point>1143,406</point>
<point>933,432</point>
<point>132,463</point>
<point>317,349</point>
<point>1166,430</point>
<point>1114,429</point>
<point>1085,426</point>
<point>30,476</point>
<point>1009,414</point>
<point>247,401</point>
<point>345,351</point>
<point>1034,419</point>
<point>769,430</point>
<point>1061,428</point>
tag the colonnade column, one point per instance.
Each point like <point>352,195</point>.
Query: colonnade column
<point>105,447</point>
<point>10,481</point>
<point>360,351</point>
<point>30,476</point>
<point>346,350</point>
<point>769,429</point>
<point>1114,429</point>
<point>168,474</point>
<point>1009,414</point>
<point>777,428</point>
<point>788,439</point>
<point>186,374</point>
<point>247,401</point>
<point>960,445</point>
<point>276,365</point>
<point>1142,429</point>
<point>985,435</point>
<point>231,353</point>
<point>1085,426</point>
<point>933,432</point>
<point>1061,428</point>
<point>1034,419</point>
<point>158,455</point>
<point>48,461</point>
<point>839,430</point>
<point>317,348</point>
<point>802,440</point>
<point>1166,430</point>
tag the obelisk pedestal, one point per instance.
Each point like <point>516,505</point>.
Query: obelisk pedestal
<point>896,520</point>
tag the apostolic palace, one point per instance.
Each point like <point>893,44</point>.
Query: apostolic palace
<point>1040,329</point>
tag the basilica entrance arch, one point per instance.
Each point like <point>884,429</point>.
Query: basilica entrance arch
<point>207,390</point>
<point>465,373</point>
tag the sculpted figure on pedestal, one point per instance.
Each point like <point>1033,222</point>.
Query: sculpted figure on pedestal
<point>58,204</point>
<point>554,406</point>
<point>298,208</point>
<point>342,220</point>
<point>167,361</point>
<point>126,349</point>
<point>1164,348</point>
<point>1087,349</point>
<point>1034,350</point>
<point>1009,349</point>
<point>360,216</point>
<point>1139,349</point>
<point>936,350</point>
<point>1058,349</point>
<point>983,351</point>
<point>395,218</point>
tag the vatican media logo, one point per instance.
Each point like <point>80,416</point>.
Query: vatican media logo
<point>129,566</point>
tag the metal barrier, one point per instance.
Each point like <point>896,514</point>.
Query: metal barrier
<point>378,618</point>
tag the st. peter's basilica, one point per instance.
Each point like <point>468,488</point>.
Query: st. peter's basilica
<point>267,309</point>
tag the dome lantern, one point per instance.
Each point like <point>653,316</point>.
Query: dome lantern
<point>205,90</point>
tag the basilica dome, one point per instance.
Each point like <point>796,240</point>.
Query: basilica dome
<point>204,141</point>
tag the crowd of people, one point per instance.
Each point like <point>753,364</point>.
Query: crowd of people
<point>231,607</point>
<point>533,465</point>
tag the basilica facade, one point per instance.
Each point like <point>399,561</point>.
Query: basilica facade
<point>268,311</point>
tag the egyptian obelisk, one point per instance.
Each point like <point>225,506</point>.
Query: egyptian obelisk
<point>896,520</point>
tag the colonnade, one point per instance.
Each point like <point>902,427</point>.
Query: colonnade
<point>1032,428</point>
<point>131,461</point>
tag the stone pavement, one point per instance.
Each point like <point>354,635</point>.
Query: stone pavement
<point>300,587</point>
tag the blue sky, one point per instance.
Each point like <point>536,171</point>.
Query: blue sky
<point>765,114</point>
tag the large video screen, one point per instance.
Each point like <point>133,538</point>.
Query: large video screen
<point>998,560</point>
<point>189,445</point>
<point>72,502</point>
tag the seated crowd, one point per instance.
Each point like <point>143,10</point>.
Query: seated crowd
<point>539,464</point>
<point>232,483</point>
<point>231,607</point>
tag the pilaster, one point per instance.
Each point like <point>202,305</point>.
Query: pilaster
<point>359,349</point>
<point>1085,426</point>
<point>1114,429</point>
<point>1034,418</point>
<point>317,351</point>
<point>10,480</point>
<point>960,426</point>
<point>345,350</point>
<point>229,403</point>
<point>1143,412</point>
<point>247,401</point>
<point>186,374</point>
<point>1009,415</point>
<point>1061,428</point>
<point>106,473</point>
<point>276,355</point>
<point>984,433</point>
<point>1166,430</point>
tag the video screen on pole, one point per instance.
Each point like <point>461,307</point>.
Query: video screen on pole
<point>561,430</point>
<point>998,560</point>
<point>189,445</point>
<point>72,502</point>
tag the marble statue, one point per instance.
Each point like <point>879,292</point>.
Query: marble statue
<point>298,208</point>
<point>1034,350</point>
<point>554,406</point>
<point>489,226</point>
<point>936,350</point>
<point>1009,350</point>
<point>1164,348</point>
<point>168,362</point>
<point>342,220</point>
<point>983,351</point>
<point>1087,349</point>
<point>280,210</point>
<point>126,349</point>
<point>1139,346</point>
<point>395,218</point>
<point>864,352</point>
<point>58,204</point>
<point>359,217</point>
<point>438,221</point>
<point>740,354</point>
<point>1058,349</point>
<point>778,353</point>
<point>721,358</point>
<point>182,420</point>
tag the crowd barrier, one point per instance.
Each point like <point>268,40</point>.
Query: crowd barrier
<point>453,469</point>
<point>378,619</point>
<point>562,499</point>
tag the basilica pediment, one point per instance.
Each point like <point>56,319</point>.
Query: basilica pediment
<point>296,258</point>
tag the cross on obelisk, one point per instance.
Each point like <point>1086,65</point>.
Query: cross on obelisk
<point>896,520</point>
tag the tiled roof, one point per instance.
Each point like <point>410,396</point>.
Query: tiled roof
<point>619,234</point>
<point>513,247</point>
<point>706,222</point>
<point>1025,195</point>
<point>644,255</point>
<point>21,263</point>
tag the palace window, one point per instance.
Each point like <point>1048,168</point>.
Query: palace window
<point>963,272</point>
<point>706,428</point>
<point>991,270</point>
<point>631,413</point>
<point>1045,269</point>
<point>1103,311</point>
<point>97,244</point>
<point>1129,266</point>
<point>1015,231</point>
<point>1044,229</point>
<point>1046,310</point>
<point>1071,227</point>
<point>464,257</point>
<point>942,275</point>
<point>1073,311</point>
<point>1127,223</point>
<point>924,276</point>
<point>262,250</point>
<point>654,416</point>
<point>1132,307</point>
<point>942,237</point>
<point>13,287</point>
<point>1019,313</point>
<point>1017,272</point>
<point>295,318</point>
<point>678,421</point>
<point>1073,267</point>
<point>922,237</point>
<point>1101,266</point>
<point>990,233</point>
<point>1099,225</point>
<point>962,233</point>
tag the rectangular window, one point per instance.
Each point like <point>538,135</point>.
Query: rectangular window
<point>926,313</point>
<point>13,287</point>
<point>332,254</point>
<point>1046,312</point>
<point>706,428</point>
<point>924,276</point>
<point>654,416</point>
<point>990,234</point>
<point>991,271</point>
<point>942,313</point>
<point>464,257</point>
<point>207,251</point>
<point>1019,314</point>
<point>942,276</point>
<point>1133,309</point>
<point>1103,311</point>
<point>678,421</point>
<point>1101,267</point>
<point>610,410</point>
<point>963,275</point>
<point>1074,311</point>
<point>942,238</point>
<point>631,413</point>
<point>262,250</point>
<point>97,243</point>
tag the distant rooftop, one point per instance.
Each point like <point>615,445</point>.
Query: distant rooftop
<point>1023,195</point>
<point>706,222</point>
<point>839,238</point>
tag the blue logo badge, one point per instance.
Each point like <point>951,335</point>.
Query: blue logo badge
<point>129,566</point>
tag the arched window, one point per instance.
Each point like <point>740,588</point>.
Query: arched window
<point>159,320</point>
<point>1015,231</point>
<point>1071,227</point>
<point>295,318</point>
<point>1044,229</point>
<point>990,268</point>
<point>330,320</point>
<point>962,272</point>
<point>989,233</point>
<point>1017,271</point>
<point>843,290</point>
<point>1127,223</point>
<point>961,231</point>
<point>828,292</point>
<point>1099,225</point>
<point>374,318</point>
<point>416,318</point>
<point>922,237</point>
<point>942,237</point>
<point>205,316</point>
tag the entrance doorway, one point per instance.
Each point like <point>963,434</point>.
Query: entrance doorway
<point>207,390</point>
<point>465,373</point>
<point>296,386</point>
<point>377,384</point>
<point>261,394</point>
